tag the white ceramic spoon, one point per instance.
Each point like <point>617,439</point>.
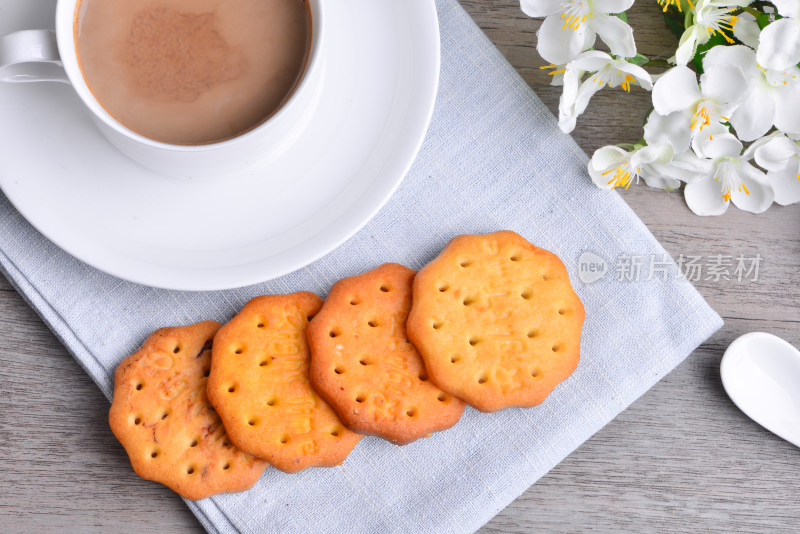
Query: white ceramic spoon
<point>761,374</point>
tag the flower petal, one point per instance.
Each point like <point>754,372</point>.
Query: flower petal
<point>603,160</point>
<point>659,154</point>
<point>642,76</point>
<point>743,57</point>
<point>777,153</point>
<point>724,83</point>
<point>788,8</point>
<point>757,194</point>
<point>540,8</point>
<point>591,60</point>
<point>747,31</point>
<point>786,185</point>
<point>779,45</point>
<point>675,90</point>
<point>686,167</point>
<point>672,129</point>
<point>720,146</point>
<point>612,6</point>
<point>687,46</point>
<point>653,178</point>
<point>753,117</point>
<point>556,45</point>
<point>615,33</point>
<point>585,92</point>
<point>705,198</point>
<point>787,110</point>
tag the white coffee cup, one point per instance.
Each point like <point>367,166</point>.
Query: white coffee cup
<point>51,56</point>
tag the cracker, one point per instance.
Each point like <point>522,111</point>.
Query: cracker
<point>161,415</point>
<point>259,385</point>
<point>496,321</point>
<point>364,366</point>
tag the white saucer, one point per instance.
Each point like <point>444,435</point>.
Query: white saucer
<point>381,77</point>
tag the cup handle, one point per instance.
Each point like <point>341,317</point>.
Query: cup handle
<point>30,56</point>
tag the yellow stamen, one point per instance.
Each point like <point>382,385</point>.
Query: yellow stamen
<point>626,84</point>
<point>725,23</point>
<point>667,3</point>
<point>700,115</point>
<point>622,176</point>
<point>745,189</point>
<point>727,196</point>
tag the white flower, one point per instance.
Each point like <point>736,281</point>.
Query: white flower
<point>772,96</point>
<point>731,177</point>
<point>672,129</point>
<point>710,17</point>
<point>779,42</point>
<point>747,30</point>
<point>708,106</point>
<point>570,27</point>
<point>780,156</point>
<point>605,71</point>
<point>612,167</point>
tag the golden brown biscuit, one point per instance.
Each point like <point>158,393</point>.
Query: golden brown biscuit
<point>364,366</point>
<point>259,385</point>
<point>161,415</point>
<point>496,321</point>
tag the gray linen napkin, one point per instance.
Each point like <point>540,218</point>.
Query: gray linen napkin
<point>493,159</point>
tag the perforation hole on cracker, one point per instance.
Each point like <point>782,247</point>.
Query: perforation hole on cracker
<point>444,287</point>
<point>163,414</point>
<point>533,333</point>
<point>138,385</point>
<point>411,412</point>
<point>385,288</point>
<point>335,332</point>
<point>355,301</point>
<point>176,349</point>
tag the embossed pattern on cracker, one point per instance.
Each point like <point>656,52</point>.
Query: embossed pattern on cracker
<point>259,385</point>
<point>496,321</point>
<point>161,415</point>
<point>365,367</point>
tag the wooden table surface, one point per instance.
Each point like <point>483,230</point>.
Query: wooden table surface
<point>681,459</point>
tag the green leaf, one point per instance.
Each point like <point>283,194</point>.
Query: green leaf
<point>622,16</point>
<point>715,40</point>
<point>763,20</point>
<point>638,59</point>
<point>675,24</point>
